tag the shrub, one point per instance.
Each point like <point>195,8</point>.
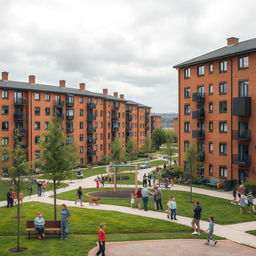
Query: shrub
<point>102,162</point>
<point>250,185</point>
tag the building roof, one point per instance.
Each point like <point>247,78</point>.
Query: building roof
<point>230,50</point>
<point>130,102</point>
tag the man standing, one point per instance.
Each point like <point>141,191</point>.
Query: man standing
<point>145,194</point>
<point>39,188</point>
<point>196,218</point>
<point>9,198</point>
<point>158,199</point>
<point>149,179</point>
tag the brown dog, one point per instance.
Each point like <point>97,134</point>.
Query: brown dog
<point>94,200</point>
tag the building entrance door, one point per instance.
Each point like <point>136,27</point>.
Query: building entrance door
<point>243,176</point>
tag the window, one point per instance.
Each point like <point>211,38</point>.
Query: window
<point>5,94</point>
<point>223,148</point>
<point>5,141</point>
<point>243,62</point>
<point>187,73</point>
<point>70,113</point>
<point>108,135</point>
<point>186,92</point>
<point>210,107</point>
<point>47,111</point>
<point>101,136</point>
<point>223,88</point>
<point>81,125</point>
<point>81,112</point>
<point>101,113</point>
<point>37,125</point>
<point>223,171</point>
<point>210,89</point>
<point>81,100</point>
<point>108,114</point>
<point>37,96</point>
<point>223,107</point>
<point>37,111</point>
<point>187,127</point>
<point>200,71</point>
<point>101,147</point>
<point>187,109</point>
<point>81,137</point>
<point>243,88</point>
<point>186,145</point>
<point>70,139</point>
<point>81,150</point>
<point>5,126</point>
<point>210,126</point>
<point>81,160</point>
<point>47,97</point>
<point>101,124</point>
<point>5,110</point>
<point>5,157</point>
<point>210,169</point>
<point>210,147</point>
<point>37,154</point>
<point>186,168</point>
<point>37,139</point>
<point>223,66</point>
<point>46,125</point>
<point>210,68</point>
<point>223,127</point>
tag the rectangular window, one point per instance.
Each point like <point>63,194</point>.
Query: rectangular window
<point>243,87</point>
<point>81,149</point>
<point>223,66</point>
<point>210,147</point>
<point>210,107</point>
<point>101,113</point>
<point>81,160</point>
<point>47,111</point>
<point>37,125</point>
<point>187,127</point>
<point>223,88</point>
<point>223,107</point>
<point>200,70</point>
<point>70,113</point>
<point>223,148</point>
<point>186,145</point>
<point>243,62</point>
<point>46,125</point>
<point>5,94</point>
<point>37,139</point>
<point>210,89</point>
<point>37,96</point>
<point>5,141</point>
<point>223,127</point>
<point>210,169</point>
<point>81,99</point>
<point>101,136</point>
<point>81,112</point>
<point>81,125</point>
<point>47,97</point>
<point>186,92</point>
<point>223,172</point>
<point>5,126</point>
<point>37,111</point>
<point>210,68</point>
<point>70,139</point>
<point>187,109</point>
<point>186,168</point>
<point>187,73</point>
<point>81,137</point>
<point>210,126</point>
<point>5,110</point>
<point>37,154</point>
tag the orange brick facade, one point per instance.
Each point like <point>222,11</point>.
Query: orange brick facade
<point>156,122</point>
<point>90,120</point>
<point>220,119</point>
<point>176,125</point>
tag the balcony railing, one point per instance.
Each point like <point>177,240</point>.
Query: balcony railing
<point>68,117</point>
<point>91,141</point>
<point>91,117</point>
<point>91,129</point>
<point>69,130</point>
<point>19,117</point>
<point>20,101</point>
<point>199,115</point>
<point>91,152</point>
<point>58,104</point>
<point>241,135</point>
<point>128,111</point>
<point>91,105</point>
<point>69,104</point>
<point>115,118</point>
<point>241,159</point>
<point>115,128</point>
<point>115,107</point>
<point>241,106</point>
<point>128,128</point>
<point>20,131</point>
<point>198,134</point>
<point>201,156</point>
<point>198,96</point>
<point>129,118</point>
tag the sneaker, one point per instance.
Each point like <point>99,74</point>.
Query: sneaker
<point>176,219</point>
<point>215,243</point>
<point>195,233</point>
<point>207,243</point>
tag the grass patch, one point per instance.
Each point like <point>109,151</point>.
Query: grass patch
<point>129,181</point>
<point>251,232</point>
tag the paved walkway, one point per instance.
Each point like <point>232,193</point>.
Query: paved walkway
<point>177,247</point>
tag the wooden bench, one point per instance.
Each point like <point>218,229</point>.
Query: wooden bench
<point>50,225</point>
<point>212,182</point>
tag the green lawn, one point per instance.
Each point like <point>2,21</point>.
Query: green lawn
<point>222,209</point>
<point>129,181</point>
<point>251,232</point>
<point>5,185</point>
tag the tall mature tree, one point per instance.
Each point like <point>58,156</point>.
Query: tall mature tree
<point>131,149</point>
<point>170,150</point>
<point>158,138</point>
<point>171,136</point>
<point>18,169</point>
<point>58,157</point>
<point>193,164</point>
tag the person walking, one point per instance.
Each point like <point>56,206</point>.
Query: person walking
<point>21,197</point>
<point>242,203</point>
<point>149,179</point>
<point>234,201</point>
<point>196,218</point>
<point>39,223</point>
<point>210,231</point>
<point>138,198</point>
<point>145,194</point>
<point>250,199</point>
<point>30,191</point>
<point>97,183</point>
<point>14,198</point>
<point>101,240</point>
<point>79,196</point>
<point>158,199</point>
<point>44,187</point>
<point>39,188</point>
<point>65,214</point>
<point>144,180</point>
<point>9,198</point>
<point>173,208</point>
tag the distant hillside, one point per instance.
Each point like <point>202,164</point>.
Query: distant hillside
<point>167,119</point>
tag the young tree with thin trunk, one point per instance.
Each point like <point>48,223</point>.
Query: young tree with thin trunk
<point>131,149</point>
<point>147,147</point>
<point>158,138</point>
<point>58,157</point>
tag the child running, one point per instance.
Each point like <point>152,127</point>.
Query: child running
<point>210,231</point>
<point>79,196</point>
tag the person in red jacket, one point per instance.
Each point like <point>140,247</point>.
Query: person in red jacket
<point>101,239</point>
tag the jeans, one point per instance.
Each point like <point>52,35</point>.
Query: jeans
<point>40,230</point>
<point>149,183</point>
<point>173,214</point>
<point>39,191</point>
<point>159,204</point>
<point>9,202</point>
<point>145,203</point>
<point>144,183</point>
<point>101,248</point>
<point>210,237</point>
<point>64,228</point>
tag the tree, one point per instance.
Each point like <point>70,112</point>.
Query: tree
<point>19,168</point>
<point>193,164</point>
<point>131,149</point>
<point>171,136</point>
<point>58,157</point>
<point>170,151</point>
<point>158,138</point>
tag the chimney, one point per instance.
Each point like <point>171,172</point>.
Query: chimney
<point>82,86</point>
<point>105,91</point>
<point>232,40</point>
<point>121,96</point>
<point>31,79</point>
<point>62,83</point>
<point>5,76</point>
<point>115,94</point>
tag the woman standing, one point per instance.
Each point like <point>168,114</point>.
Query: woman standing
<point>65,214</point>
<point>79,196</point>
<point>138,197</point>
<point>97,183</point>
<point>39,225</point>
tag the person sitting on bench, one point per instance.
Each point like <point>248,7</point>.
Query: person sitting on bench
<point>39,225</point>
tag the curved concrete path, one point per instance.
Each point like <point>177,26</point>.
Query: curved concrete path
<point>177,247</point>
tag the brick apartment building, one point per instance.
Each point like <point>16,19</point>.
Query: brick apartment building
<point>90,120</point>
<point>217,110</point>
<point>156,122</point>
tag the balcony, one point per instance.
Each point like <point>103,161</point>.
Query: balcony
<point>241,135</point>
<point>69,130</point>
<point>20,101</point>
<point>91,105</point>
<point>19,117</point>
<point>128,128</point>
<point>91,141</point>
<point>201,156</point>
<point>58,104</point>
<point>199,115</point>
<point>129,118</point>
<point>147,127</point>
<point>115,128</point>
<point>243,160</point>
<point>198,134</point>
<point>115,118</point>
<point>91,117</point>
<point>91,152</point>
<point>128,111</point>
<point>69,117</point>
<point>69,104</point>
<point>115,108</point>
<point>91,129</point>
<point>198,97</point>
<point>241,106</point>
<point>20,131</point>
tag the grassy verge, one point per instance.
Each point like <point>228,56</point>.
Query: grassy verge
<point>129,181</point>
<point>251,232</point>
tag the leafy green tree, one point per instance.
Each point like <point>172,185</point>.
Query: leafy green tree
<point>193,164</point>
<point>158,138</point>
<point>131,149</point>
<point>170,151</point>
<point>147,147</point>
<point>171,136</point>
<point>58,157</point>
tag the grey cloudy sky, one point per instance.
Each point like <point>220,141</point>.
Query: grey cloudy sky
<point>127,46</point>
